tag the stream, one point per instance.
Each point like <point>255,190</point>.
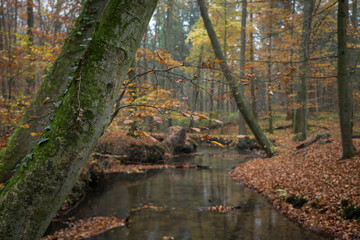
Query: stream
<point>180,192</point>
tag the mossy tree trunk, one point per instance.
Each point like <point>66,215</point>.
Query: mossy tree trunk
<point>38,114</point>
<point>344,82</point>
<point>33,195</point>
<point>301,111</point>
<point>238,98</point>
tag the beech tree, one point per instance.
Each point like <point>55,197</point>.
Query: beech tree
<point>344,82</point>
<point>237,95</point>
<point>301,112</point>
<point>33,195</point>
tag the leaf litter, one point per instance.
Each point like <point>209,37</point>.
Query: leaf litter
<point>314,175</point>
<point>86,228</point>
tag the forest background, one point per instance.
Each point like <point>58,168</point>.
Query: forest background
<point>32,33</point>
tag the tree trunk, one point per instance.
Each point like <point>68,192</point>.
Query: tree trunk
<point>249,118</point>
<point>242,129</point>
<point>344,82</point>
<point>30,80</point>
<point>253,79</point>
<point>21,142</point>
<point>34,194</point>
<point>301,112</point>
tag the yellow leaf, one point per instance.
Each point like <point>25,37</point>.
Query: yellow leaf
<point>130,69</point>
<point>217,143</point>
<point>24,126</point>
<point>203,116</point>
<point>218,60</point>
<point>33,134</point>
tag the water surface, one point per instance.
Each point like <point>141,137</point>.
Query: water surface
<point>181,192</point>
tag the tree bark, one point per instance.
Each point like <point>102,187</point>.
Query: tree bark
<point>242,129</point>
<point>249,118</point>
<point>21,142</point>
<point>253,79</point>
<point>30,80</point>
<point>33,195</point>
<point>344,82</point>
<point>301,112</point>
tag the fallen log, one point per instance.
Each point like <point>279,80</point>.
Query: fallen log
<point>313,140</point>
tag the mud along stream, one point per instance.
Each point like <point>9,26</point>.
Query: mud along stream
<point>179,193</point>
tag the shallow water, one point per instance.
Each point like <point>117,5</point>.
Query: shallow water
<point>181,192</point>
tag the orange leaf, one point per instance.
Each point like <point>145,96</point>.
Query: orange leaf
<point>24,126</point>
<point>46,100</point>
<point>205,137</point>
<point>218,60</point>
<point>33,134</point>
<point>195,77</point>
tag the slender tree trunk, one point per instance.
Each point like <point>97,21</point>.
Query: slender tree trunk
<point>301,112</point>
<point>253,79</point>
<point>269,91</point>
<point>355,14</point>
<point>344,82</point>
<point>21,142</point>
<point>30,80</point>
<point>249,118</point>
<point>289,84</point>
<point>242,129</point>
<point>33,195</point>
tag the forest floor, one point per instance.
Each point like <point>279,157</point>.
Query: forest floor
<point>310,185</point>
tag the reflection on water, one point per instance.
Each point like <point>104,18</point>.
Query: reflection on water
<point>182,192</point>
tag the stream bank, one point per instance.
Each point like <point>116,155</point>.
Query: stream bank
<point>310,185</point>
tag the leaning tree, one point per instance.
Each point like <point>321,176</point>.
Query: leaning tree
<point>36,191</point>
